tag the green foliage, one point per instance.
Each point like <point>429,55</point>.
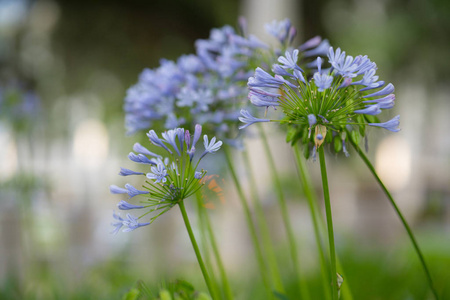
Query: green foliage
<point>176,290</point>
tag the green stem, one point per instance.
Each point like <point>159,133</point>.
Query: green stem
<point>203,214</point>
<point>400,215</point>
<point>197,251</point>
<point>312,203</point>
<point>264,228</point>
<point>285,216</point>
<point>204,235</point>
<point>326,196</point>
<point>248,217</point>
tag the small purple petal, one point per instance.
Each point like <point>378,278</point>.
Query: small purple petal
<point>124,205</point>
<point>391,125</point>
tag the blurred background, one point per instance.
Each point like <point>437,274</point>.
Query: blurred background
<point>65,67</point>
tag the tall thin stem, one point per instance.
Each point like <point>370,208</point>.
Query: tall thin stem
<point>211,289</point>
<point>285,215</point>
<point>250,224</point>
<point>312,203</point>
<point>206,222</point>
<point>400,215</point>
<point>263,227</point>
<point>326,196</point>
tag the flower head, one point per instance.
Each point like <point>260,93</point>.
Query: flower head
<point>173,179</point>
<point>345,98</point>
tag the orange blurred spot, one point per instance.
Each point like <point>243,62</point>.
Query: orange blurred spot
<point>213,191</point>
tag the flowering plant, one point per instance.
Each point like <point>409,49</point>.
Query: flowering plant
<point>171,179</point>
<point>344,98</point>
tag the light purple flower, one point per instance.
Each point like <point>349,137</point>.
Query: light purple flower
<point>289,60</point>
<point>210,146</point>
<point>124,205</point>
<point>131,223</point>
<point>197,134</point>
<point>248,119</point>
<point>187,139</point>
<point>141,149</point>
<point>156,141</point>
<point>343,64</point>
<point>264,79</point>
<point>373,86</point>
<point>180,135</point>
<point>261,100</point>
<point>114,189</point>
<point>117,224</point>
<point>279,70</point>
<point>369,110</point>
<point>322,81</point>
<point>279,29</point>
<point>385,102</point>
<point>298,75</point>
<point>312,120</point>
<point>320,50</point>
<point>140,158</point>
<point>388,89</point>
<point>169,137</point>
<point>391,125</point>
<point>127,172</point>
<point>159,173</point>
<point>129,189</point>
<point>132,191</point>
<point>311,43</point>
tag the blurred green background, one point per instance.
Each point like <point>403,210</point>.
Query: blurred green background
<point>65,67</point>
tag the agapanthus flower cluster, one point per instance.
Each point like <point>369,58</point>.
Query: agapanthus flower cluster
<point>169,180</point>
<point>336,102</point>
<point>208,87</point>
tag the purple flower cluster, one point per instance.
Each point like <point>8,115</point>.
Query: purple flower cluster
<point>172,180</point>
<point>344,98</point>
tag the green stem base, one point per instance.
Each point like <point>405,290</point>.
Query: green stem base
<point>326,196</point>
<point>211,289</point>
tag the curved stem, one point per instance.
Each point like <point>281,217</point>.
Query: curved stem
<point>312,203</point>
<point>206,222</point>
<point>400,215</point>
<point>251,226</point>
<point>285,216</point>
<point>197,251</point>
<point>263,227</point>
<point>326,196</point>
